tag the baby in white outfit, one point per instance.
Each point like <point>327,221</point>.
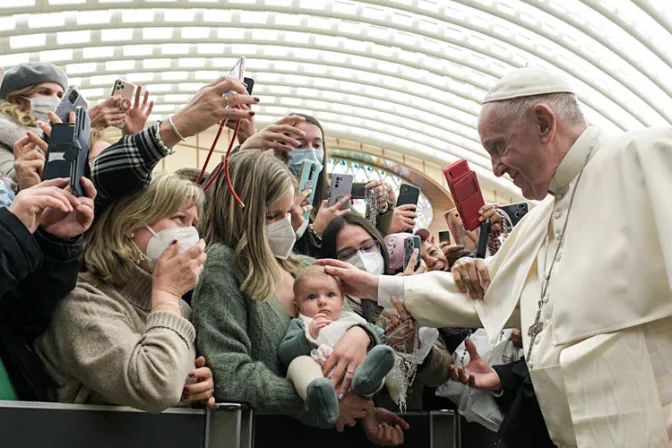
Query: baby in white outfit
<point>310,340</point>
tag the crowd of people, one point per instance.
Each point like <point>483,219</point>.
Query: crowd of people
<point>148,291</point>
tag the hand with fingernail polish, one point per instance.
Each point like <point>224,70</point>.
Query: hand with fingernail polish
<point>281,135</point>
<point>201,388</point>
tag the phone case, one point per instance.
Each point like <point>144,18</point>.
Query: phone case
<point>80,163</point>
<point>359,190</point>
<point>484,235</point>
<point>310,172</point>
<point>341,185</point>
<point>453,172</point>
<point>249,84</point>
<point>123,88</point>
<point>238,70</point>
<point>71,100</point>
<point>410,244</point>
<point>408,194</point>
<point>444,236</point>
<point>468,200</point>
<point>67,155</point>
<point>60,143</point>
<point>516,211</point>
<point>456,170</point>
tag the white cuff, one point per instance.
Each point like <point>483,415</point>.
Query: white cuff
<point>389,286</point>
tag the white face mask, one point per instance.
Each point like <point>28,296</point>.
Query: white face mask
<point>281,237</point>
<point>301,230</point>
<point>187,237</point>
<point>373,263</point>
<point>40,106</point>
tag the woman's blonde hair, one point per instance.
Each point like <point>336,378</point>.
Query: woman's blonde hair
<point>109,252</point>
<point>260,179</point>
<point>21,116</point>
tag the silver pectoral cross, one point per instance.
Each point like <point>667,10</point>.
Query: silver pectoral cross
<point>534,331</point>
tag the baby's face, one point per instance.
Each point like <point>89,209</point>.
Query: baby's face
<point>320,294</point>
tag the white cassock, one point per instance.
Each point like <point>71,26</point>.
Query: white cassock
<point>602,365</point>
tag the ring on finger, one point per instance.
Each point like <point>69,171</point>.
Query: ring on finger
<point>465,277</point>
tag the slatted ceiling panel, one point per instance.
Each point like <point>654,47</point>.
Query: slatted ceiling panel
<point>407,75</point>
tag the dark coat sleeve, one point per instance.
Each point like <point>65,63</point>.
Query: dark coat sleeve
<point>36,271</point>
<point>523,425</point>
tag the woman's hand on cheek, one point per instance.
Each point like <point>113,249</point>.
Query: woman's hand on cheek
<point>350,408</point>
<point>349,353</point>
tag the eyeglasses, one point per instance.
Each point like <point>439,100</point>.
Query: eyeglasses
<point>368,247</point>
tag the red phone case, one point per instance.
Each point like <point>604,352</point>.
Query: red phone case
<point>466,192</point>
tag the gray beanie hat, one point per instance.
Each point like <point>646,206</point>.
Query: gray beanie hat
<point>31,73</point>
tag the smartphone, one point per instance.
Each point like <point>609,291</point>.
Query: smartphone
<point>341,185</point>
<point>70,102</point>
<point>455,171</point>
<point>408,194</point>
<point>359,190</point>
<point>125,90</point>
<point>310,172</point>
<point>249,85</point>
<point>444,236</point>
<point>483,236</point>
<point>68,152</point>
<point>410,244</point>
<point>516,211</point>
<point>238,70</point>
<point>468,199</point>
<point>466,192</point>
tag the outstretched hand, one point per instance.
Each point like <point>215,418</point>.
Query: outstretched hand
<point>478,373</point>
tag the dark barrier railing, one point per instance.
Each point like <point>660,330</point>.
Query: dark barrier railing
<point>55,425</point>
<point>232,425</point>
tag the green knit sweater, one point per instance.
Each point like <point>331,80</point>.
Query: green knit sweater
<point>239,337</point>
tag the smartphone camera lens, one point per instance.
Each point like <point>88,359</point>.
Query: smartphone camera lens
<point>73,96</point>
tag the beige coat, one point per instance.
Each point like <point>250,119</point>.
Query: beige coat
<point>105,346</point>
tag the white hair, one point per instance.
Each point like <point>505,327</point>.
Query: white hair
<point>564,106</point>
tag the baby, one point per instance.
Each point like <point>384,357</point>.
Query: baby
<point>310,340</point>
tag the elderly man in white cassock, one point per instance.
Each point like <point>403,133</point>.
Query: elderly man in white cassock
<point>587,274</point>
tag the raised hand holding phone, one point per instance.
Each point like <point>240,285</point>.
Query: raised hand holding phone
<point>283,135</point>
<point>78,220</point>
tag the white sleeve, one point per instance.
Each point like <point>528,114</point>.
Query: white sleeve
<point>390,286</point>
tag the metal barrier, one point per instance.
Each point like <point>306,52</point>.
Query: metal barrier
<point>56,425</point>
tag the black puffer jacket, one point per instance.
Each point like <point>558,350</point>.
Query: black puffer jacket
<point>36,271</point>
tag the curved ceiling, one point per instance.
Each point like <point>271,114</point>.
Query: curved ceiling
<point>403,74</point>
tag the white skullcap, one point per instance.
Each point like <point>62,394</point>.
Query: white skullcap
<point>527,81</point>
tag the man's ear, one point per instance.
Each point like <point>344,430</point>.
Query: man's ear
<point>546,122</point>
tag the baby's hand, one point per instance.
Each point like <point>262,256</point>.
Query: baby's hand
<point>318,323</point>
